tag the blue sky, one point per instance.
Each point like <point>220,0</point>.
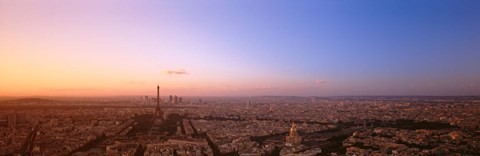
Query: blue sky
<point>323,48</point>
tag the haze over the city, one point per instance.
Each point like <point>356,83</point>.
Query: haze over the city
<point>239,48</point>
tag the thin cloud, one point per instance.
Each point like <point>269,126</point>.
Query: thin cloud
<point>71,89</point>
<point>320,82</point>
<point>176,72</point>
<point>471,85</point>
<point>266,88</point>
<point>135,82</point>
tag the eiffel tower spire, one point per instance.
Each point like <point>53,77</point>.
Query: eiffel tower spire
<point>158,111</point>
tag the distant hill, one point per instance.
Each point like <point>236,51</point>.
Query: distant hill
<point>30,100</point>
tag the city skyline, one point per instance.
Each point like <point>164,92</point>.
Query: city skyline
<point>239,48</point>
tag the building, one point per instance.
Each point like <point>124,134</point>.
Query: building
<point>15,119</point>
<point>122,149</point>
<point>12,120</point>
<point>179,146</point>
<point>293,138</point>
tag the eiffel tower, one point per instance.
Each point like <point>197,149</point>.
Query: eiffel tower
<point>158,111</point>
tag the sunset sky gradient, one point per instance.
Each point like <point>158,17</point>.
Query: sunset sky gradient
<point>239,47</point>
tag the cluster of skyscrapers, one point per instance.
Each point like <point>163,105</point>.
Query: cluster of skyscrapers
<point>172,99</point>
<point>175,99</point>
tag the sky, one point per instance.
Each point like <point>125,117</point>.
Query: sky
<point>239,47</point>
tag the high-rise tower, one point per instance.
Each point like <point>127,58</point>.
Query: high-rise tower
<point>158,111</point>
<point>175,100</point>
